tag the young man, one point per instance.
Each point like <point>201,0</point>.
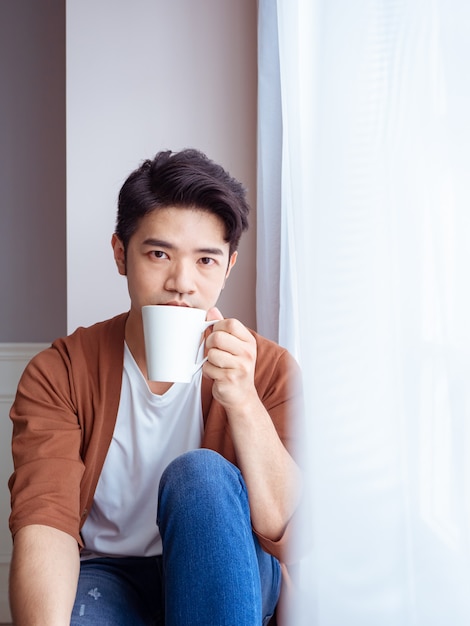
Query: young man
<point>138,502</point>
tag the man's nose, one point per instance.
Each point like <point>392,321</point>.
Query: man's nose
<point>180,278</point>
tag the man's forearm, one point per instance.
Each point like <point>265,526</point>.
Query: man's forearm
<point>43,576</point>
<point>272,477</point>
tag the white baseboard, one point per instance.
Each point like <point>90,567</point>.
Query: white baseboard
<point>5,616</point>
<point>13,359</point>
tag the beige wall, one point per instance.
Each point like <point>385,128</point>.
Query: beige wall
<point>141,76</point>
<point>32,171</point>
<point>144,76</point>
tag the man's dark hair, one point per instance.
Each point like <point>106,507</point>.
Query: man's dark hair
<point>182,179</point>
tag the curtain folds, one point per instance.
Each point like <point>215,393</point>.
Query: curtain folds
<point>363,263</point>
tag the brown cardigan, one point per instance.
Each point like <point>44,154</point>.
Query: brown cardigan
<point>65,411</point>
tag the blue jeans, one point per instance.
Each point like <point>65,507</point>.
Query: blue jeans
<point>213,571</point>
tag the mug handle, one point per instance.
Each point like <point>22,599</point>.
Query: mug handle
<point>201,363</point>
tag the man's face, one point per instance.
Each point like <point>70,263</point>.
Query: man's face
<point>176,256</point>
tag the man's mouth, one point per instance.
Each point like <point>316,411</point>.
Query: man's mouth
<point>177,303</point>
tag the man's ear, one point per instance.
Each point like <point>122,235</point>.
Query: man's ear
<point>231,263</point>
<point>119,254</point>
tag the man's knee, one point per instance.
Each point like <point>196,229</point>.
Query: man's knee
<point>199,475</point>
<point>194,468</point>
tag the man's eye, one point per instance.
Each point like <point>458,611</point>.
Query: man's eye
<point>159,254</point>
<point>206,260</point>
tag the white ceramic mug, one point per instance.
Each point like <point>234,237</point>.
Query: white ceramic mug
<point>172,338</point>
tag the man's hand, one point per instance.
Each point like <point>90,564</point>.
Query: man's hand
<point>231,352</point>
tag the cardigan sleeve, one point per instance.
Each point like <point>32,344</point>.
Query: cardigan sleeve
<point>278,380</point>
<point>45,484</point>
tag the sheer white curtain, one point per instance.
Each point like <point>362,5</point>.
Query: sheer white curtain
<point>364,274</point>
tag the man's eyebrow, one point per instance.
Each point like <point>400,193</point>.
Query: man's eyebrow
<point>158,243</point>
<point>161,243</point>
<point>214,251</point>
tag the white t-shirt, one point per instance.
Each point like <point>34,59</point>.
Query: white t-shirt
<point>150,432</point>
